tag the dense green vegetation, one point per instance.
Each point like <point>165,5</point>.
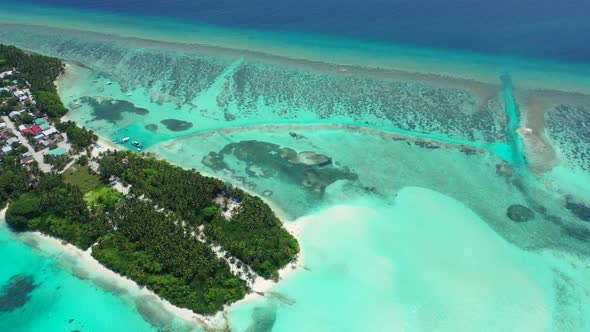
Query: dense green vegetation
<point>183,192</point>
<point>156,250</point>
<point>14,180</point>
<point>57,209</point>
<point>150,235</point>
<point>57,162</point>
<point>153,239</point>
<point>254,235</point>
<point>80,138</point>
<point>40,72</point>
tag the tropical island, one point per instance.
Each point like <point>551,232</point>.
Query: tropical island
<point>156,223</point>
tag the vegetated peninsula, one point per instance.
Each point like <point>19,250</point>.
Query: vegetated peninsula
<point>144,218</point>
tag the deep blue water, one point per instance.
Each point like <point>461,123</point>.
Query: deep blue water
<point>554,29</point>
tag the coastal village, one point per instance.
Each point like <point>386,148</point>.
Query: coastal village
<point>28,133</point>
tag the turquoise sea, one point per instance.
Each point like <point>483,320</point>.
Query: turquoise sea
<point>456,196</point>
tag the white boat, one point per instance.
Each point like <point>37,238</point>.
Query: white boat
<point>129,94</point>
<point>137,144</point>
<point>125,140</point>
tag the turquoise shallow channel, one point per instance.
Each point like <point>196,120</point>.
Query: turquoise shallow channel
<point>401,169</point>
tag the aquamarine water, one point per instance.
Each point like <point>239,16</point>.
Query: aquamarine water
<point>60,300</point>
<point>407,227</point>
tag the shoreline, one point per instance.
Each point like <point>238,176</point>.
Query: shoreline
<point>89,263</point>
<point>84,261</point>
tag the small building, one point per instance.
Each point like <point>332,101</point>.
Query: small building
<point>13,114</point>
<point>50,131</point>
<point>36,129</point>
<point>12,140</point>
<point>19,93</point>
<point>5,74</point>
<point>6,150</point>
<point>40,121</point>
<point>22,127</point>
<point>26,160</point>
<point>26,131</point>
<point>2,125</point>
<point>44,126</point>
<point>39,137</point>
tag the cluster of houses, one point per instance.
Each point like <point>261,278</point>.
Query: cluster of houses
<point>19,127</point>
<point>7,139</point>
<point>22,95</point>
<point>41,134</point>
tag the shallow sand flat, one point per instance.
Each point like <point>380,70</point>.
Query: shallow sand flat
<point>534,105</point>
<point>374,266</point>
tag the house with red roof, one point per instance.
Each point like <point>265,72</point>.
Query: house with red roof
<point>36,129</point>
<point>33,130</point>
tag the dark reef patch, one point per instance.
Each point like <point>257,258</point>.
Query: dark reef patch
<point>519,213</point>
<point>176,125</point>
<point>577,232</point>
<point>111,110</point>
<point>312,170</point>
<point>151,127</point>
<point>17,292</point>
<point>578,209</point>
<point>263,319</point>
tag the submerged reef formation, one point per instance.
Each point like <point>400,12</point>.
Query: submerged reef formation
<point>519,213</point>
<point>151,127</point>
<point>111,110</point>
<point>176,125</point>
<point>289,93</point>
<point>580,210</point>
<point>16,293</point>
<point>231,88</point>
<point>569,129</point>
<point>312,170</point>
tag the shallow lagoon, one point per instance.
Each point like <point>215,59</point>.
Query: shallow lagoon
<point>59,300</point>
<point>409,229</point>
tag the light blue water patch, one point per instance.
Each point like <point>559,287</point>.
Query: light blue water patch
<point>423,263</point>
<point>59,301</point>
<point>58,151</point>
<point>513,114</point>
